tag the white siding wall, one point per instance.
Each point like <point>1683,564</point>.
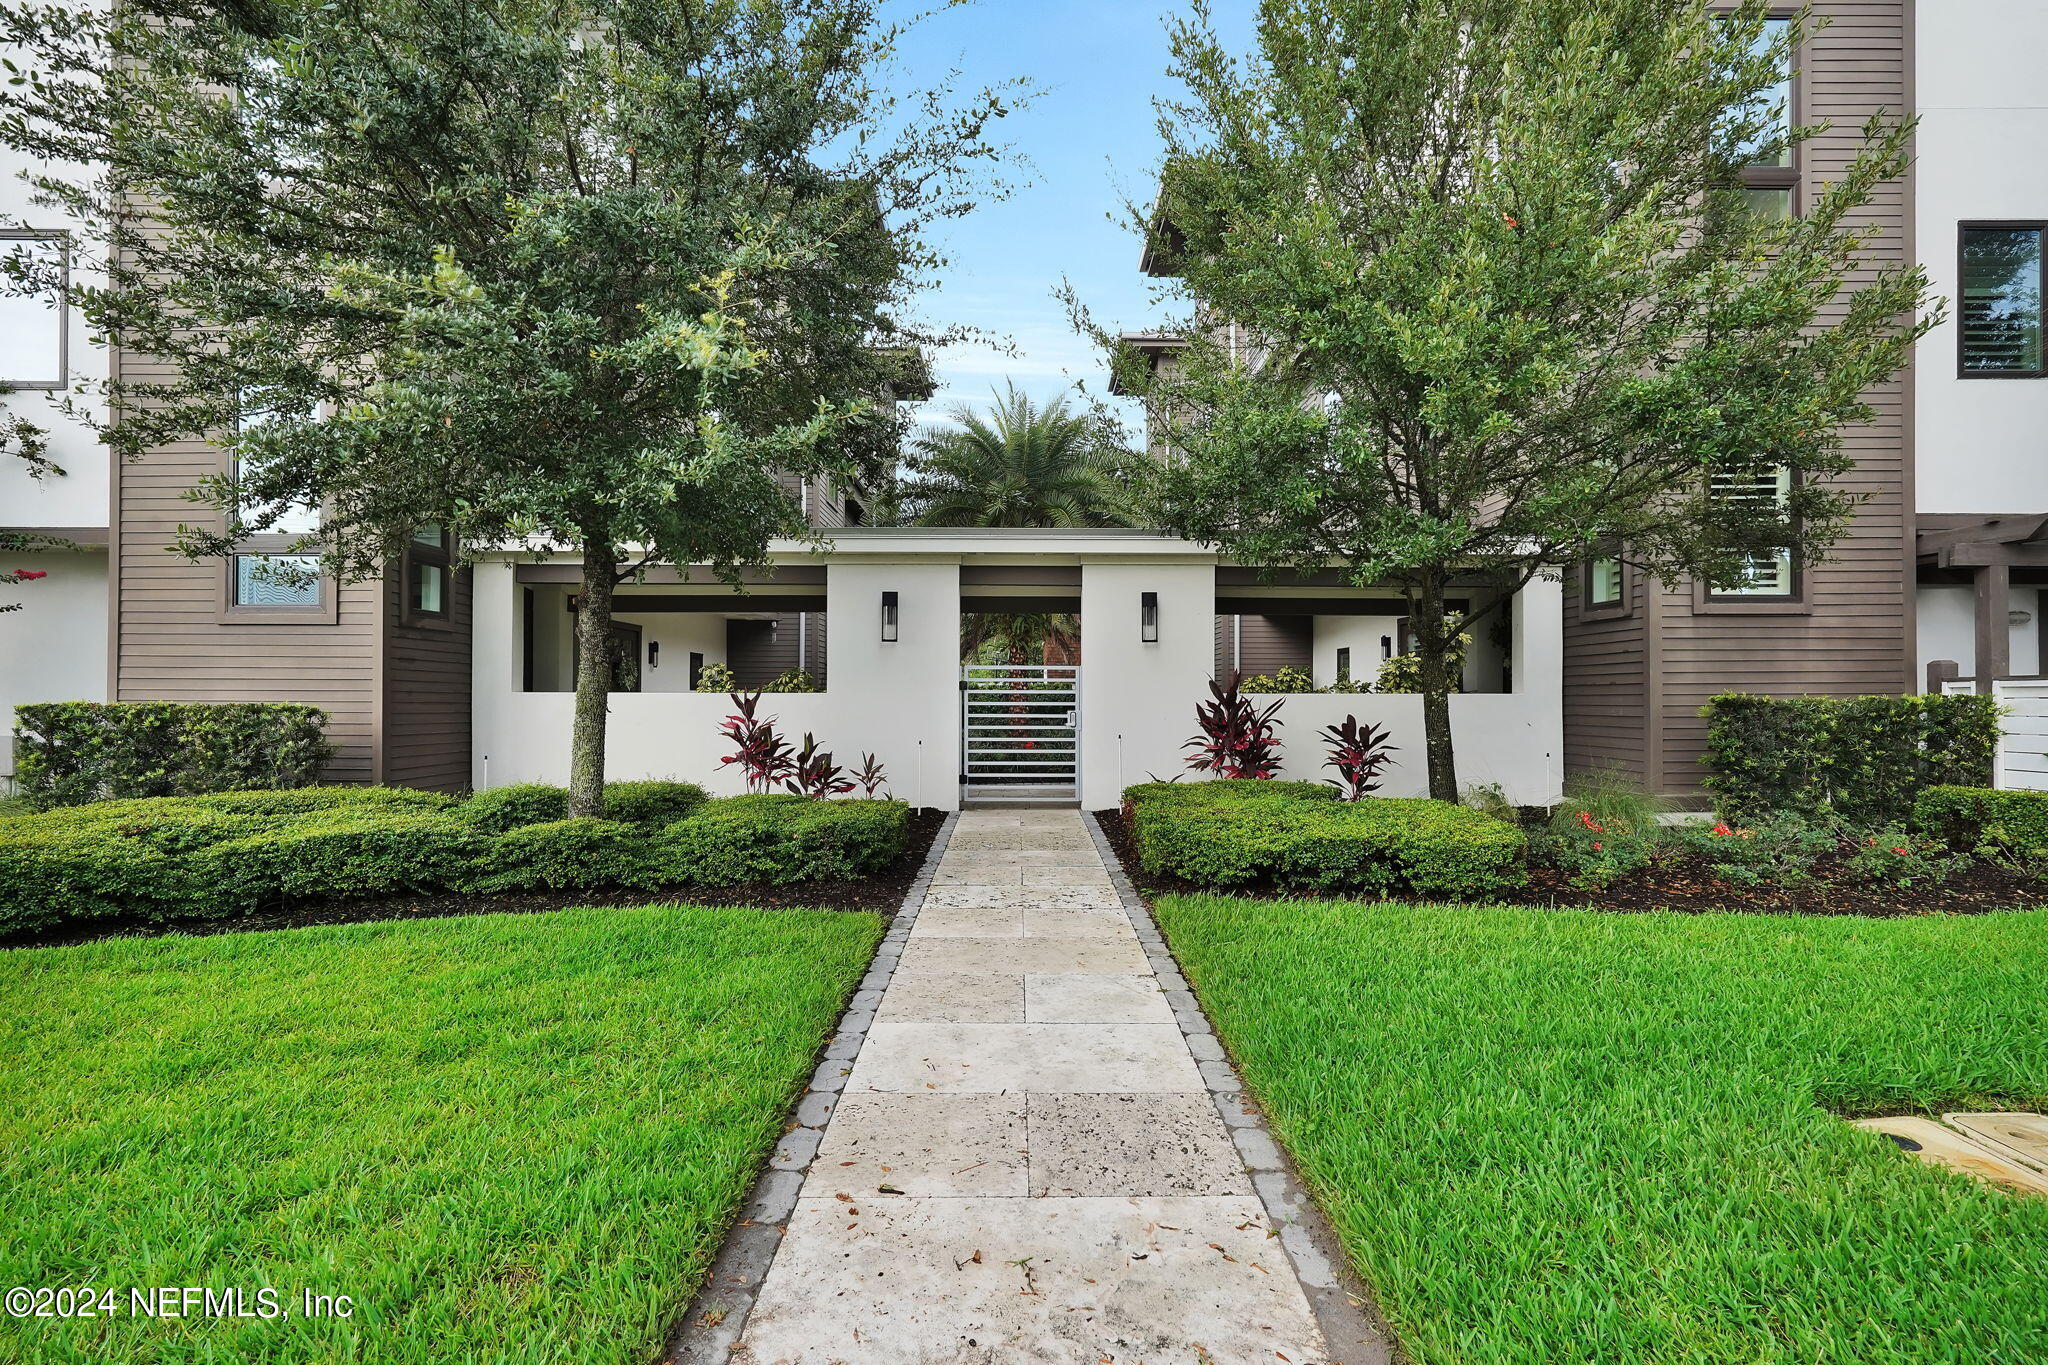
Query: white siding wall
<point>55,647</point>
<point>1982,89</point>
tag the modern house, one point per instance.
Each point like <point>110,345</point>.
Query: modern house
<point>449,680</point>
<point>1941,572</point>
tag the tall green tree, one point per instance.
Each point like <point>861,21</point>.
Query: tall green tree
<point>1023,464</point>
<point>1501,300</point>
<point>584,275</point>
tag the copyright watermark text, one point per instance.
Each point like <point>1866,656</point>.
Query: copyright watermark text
<point>173,1301</point>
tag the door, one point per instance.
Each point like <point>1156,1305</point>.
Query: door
<point>1020,733</point>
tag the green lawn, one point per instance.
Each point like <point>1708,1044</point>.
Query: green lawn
<point>509,1138</point>
<point>1563,1136</point>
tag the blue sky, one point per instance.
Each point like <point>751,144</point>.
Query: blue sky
<point>1091,140</point>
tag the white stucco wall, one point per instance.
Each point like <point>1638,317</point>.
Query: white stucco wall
<point>1361,635</point>
<point>79,498</point>
<point>897,700</point>
<point>1981,444</point>
<point>1947,615</point>
<point>1138,700</point>
<point>55,647</point>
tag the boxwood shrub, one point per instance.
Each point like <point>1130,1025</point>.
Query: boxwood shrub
<point>1278,833</point>
<point>498,809</point>
<point>2015,822</point>
<point>561,855</point>
<point>783,839</point>
<point>234,853</point>
<point>652,803</point>
<point>73,752</point>
<point>1225,789</point>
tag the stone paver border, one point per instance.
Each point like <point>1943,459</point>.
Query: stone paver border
<point>718,1314</point>
<point>1343,1309</point>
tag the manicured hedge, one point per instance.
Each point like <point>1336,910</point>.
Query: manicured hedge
<point>234,853</point>
<point>534,803</point>
<point>783,839</point>
<point>2015,822</point>
<point>1296,835</point>
<point>1859,759</point>
<point>69,753</point>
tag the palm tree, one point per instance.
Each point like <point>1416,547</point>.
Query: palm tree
<point>1026,464</point>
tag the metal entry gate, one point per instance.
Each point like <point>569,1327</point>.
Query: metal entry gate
<point>1020,733</point>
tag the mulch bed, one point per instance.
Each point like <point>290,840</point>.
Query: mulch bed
<point>881,891</point>
<point>1682,887</point>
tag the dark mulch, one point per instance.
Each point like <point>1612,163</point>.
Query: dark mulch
<point>1683,887</point>
<point>882,891</point>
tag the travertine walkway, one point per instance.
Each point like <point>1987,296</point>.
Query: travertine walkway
<point>1026,1164</point>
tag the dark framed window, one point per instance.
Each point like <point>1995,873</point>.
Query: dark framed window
<point>271,577</point>
<point>1606,588</point>
<point>1768,575</point>
<point>1770,182</point>
<point>1344,665</point>
<point>429,576</point>
<point>2000,321</point>
<point>35,332</point>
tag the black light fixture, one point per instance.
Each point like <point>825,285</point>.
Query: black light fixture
<point>654,654</point>
<point>889,618</point>
<point>1148,617</point>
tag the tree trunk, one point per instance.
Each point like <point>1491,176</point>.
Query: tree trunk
<point>1432,643</point>
<point>593,681</point>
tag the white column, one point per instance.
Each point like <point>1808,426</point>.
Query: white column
<point>1137,699</point>
<point>494,673</point>
<point>899,700</point>
<point>1538,663</point>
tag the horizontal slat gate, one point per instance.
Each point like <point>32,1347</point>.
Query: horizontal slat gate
<point>2023,745</point>
<point>1020,732</point>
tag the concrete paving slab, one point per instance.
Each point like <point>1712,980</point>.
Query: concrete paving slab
<point>969,921</point>
<point>1185,1281</point>
<point>1034,1058</point>
<point>923,1146</point>
<point>1117,957</point>
<point>1075,922</point>
<point>1060,876</point>
<point>1079,998</point>
<point>1153,1145</point>
<point>918,996</point>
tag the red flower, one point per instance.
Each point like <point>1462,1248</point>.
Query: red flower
<point>1586,819</point>
<point>1596,845</point>
<point>1722,829</point>
<point>1900,851</point>
<point>29,575</point>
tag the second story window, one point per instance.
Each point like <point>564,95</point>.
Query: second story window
<point>427,573</point>
<point>1603,582</point>
<point>32,327</point>
<point>1770,181</point>
<point>2000,320</point>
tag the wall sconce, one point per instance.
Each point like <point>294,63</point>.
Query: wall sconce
<point>654,654</point>
<point>889,618</point>
<point>2018,618</point>
<point>1148,617</point>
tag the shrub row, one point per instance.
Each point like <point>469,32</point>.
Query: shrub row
<point>1296,835</point>
<point>2010,823</point>
<point>1858,759</point>
<point>71,752</point>
<point>238,852</point>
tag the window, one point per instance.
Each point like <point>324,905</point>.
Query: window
<point>1765,573</point>
<point>1771,178</point>
<point>32,328</point>
<point>1344,665</point>
<point>2000,321</point>
<point>427,573</point>
<point>1603,582</point>
<point>288,581</point>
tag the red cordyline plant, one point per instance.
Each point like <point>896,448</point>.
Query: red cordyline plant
<point>1237,738</point>
<point>762,755</point>
<point>813,773</point>
<point>870,775</point>
<point>1359,753</point>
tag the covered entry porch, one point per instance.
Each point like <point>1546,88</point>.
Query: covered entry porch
<point>886,606</point>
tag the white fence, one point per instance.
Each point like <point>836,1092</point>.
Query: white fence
<point>2022,762</point>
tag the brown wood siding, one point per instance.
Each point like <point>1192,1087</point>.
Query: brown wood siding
<point>169,641</point>
<point>1855,638</point>
<point>1265,645</point>
<point>1605,684</point>
<point>426,730</point>
<point>758,652</point>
